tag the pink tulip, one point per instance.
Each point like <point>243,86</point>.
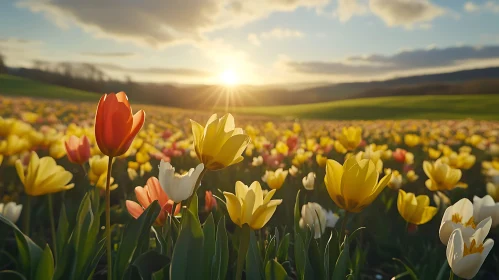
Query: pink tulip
<point>146,195</point>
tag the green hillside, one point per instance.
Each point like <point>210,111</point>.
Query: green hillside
<point>483,107</point>
<point>16,86</point>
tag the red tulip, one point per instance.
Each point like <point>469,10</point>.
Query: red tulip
<point>115,126</point>
<point>399,155</point>
<point>78,149</point>
<point>146,195</point>
<point>209,201</point>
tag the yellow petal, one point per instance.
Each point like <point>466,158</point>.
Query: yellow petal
<point>247,206</point>
<point>233,207</point>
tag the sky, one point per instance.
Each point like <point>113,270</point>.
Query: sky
<point>258,42</point>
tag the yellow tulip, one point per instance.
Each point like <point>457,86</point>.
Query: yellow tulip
<point>441,176</point>
<point>14,145</point>
<point>133,165</point>
<point>350,137</point>
<point>412,140</point>
<point>493,190</point>
<point>412,176</point>
<point>415,209</point>
<point>276,179</point>
<point>97,174</point>
<point>321,160</point>
<point>43,176</point>
<point>249,206</point>
<point>282,148</point>
<point>220,143</point>
<point>434,154</point>
<point>57,149</point>
<point>142,157</point>
<point>354,185</point>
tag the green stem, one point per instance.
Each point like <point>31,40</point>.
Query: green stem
<point>244,239</point>
<point>27,209</point>
<point>108,219</point>
<point>343,227</point>
<point>196,187</point>
<point>52,225</point>
<point>451,276</point>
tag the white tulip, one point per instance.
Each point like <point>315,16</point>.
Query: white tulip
<point>458,216</point>
<point>309,181</point>
<point>257,161</point>
<point>467,254</point>
<point>331,219</point>
<point>293,171</point>
<point>486,207</point>
<point>178,187</point>
<point>313,216</point>
<point>11,211</point>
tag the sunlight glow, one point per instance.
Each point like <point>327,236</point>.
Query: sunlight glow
<point>229,77</point>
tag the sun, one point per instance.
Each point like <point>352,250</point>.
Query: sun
<point>229,77</point>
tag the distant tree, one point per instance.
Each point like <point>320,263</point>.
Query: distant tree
<point>3,68</point>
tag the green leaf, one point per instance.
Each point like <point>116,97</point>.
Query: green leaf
<point>162,274</point>
<point>62,234</point>
<point>135,238</point>
<point>282,252</point>
<point>254,264</point>
<point>193,207</point>
<point>408,269</point>
<point>297,214</point>
<point>11,274</point>
<point>300,253</point>
<point>149,263</point>
<point>316,260</point>
<point>188,252</point>
<point>341,267</point>
<point>45,268</point>
<point>326,257</point>
<point>29,252</point>
<point>275,271</point>
<point>221,259</point>
<point>209,243</point>
<point>271,250</point>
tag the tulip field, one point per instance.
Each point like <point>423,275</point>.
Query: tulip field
<point>112,189</point>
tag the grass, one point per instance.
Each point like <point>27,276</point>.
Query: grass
<point>480,107</point>
<point>16,86</point>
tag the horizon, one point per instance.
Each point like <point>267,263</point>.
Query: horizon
<point>266,44</point>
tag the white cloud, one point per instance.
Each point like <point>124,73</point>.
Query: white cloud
<point>160,22</point>
<point>405,13</point>
<point>489,6</point>
<point>253,39</point>
<point>276,33</point>
<point>348,8</point>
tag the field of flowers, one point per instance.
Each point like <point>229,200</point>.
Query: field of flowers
<point>96,191</point>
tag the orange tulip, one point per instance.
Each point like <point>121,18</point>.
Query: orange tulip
<point>209,201</point>
<point>115,126</point>
<point>78,149</point>
<point>146,195</point>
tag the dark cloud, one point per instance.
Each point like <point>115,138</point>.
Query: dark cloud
<point>403,61</point>
<point>405,12</point>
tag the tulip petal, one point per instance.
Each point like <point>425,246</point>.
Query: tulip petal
<point>234,208</point>
<point>134,209</point>
<point>247,206</point>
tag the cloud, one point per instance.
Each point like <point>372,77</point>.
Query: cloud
<point>489,6</point>
<point>253,39</point>
<point>276,33</point>
<point>158,22</point>
<point>153,70</point>
<point>346,9</point>
<point>109,54</point>
<point>405,61</point>
<point>405,13</point>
